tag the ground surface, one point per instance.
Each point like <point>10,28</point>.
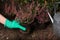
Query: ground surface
<point>13,34</point>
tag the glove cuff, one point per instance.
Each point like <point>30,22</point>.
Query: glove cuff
<point>8,23</point>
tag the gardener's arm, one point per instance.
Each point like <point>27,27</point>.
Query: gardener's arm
<point>2,19</point>
<point>11,24</point>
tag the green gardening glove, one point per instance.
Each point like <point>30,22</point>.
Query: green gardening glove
<point>14,24</point>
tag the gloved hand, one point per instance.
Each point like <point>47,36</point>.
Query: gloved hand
<point>14,24</point>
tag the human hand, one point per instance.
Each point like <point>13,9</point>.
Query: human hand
<point>14,24</point>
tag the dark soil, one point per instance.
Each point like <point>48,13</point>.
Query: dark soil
<point>15,34</point>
